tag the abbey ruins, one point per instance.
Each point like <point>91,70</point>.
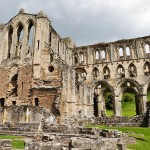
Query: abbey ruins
<point>41,73</point>
<point>51,86</point>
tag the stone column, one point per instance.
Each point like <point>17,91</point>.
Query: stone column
<point>142,103</point>
<point>4,115</point>
<point>117,105</point>
<point>27,115</point>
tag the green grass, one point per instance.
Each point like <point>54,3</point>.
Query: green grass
<point>148,95</point>
<point>109,112</point>
<point>143,143</point>
<point>128,108</point>
<point>17,141</point>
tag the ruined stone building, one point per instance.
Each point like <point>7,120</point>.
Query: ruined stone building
<point>42,73</point>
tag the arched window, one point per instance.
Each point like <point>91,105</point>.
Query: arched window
<point>81,57</point>
<point>20,34</point>
<point>103,54</point>
<point>128,52</point>
<point>106,72</point>
<point>147,50</point>
<point>30,37</point>
<point>95,73</point>
<point>97,55</point>
<point>76,58</point>
<point>147,68</point>
<point>10,33</point>
<point>80,74</point>
<point>120,71</point>
<point>132,70</point>
<point>30,34</point>
<point>120,52</point>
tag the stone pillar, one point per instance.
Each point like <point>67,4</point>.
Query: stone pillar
<point>4,116</point>
<point>142,103</point>
<point>27,116</point>
<point>117,105</point>
<point>99,100</point>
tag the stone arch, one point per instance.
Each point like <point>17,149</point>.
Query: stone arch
<point>120,71</point>
<point>106,72</point>
<point>128,52</point>
<point>103,54</point>
<point>80,74</point>
<point>147,48</point>
<point>147,68</point>
<point>76,59</point>
<point>30,36</point>
<point>97,55</point>
<point>99,89</point>
<point>20,35</point>
<point>95,73</point>
<point>121,53</point>
<point>81,57</point>
<point>10,39</point>
<point>145,89</point>
<point>132,70</point>
<point>132,85</point>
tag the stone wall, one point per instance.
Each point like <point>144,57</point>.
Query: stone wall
<point>6,144</point>
<point>24,84</point>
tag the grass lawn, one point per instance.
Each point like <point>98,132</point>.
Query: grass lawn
<point>17,141</point>
<point>143,143</point>
<point>128,108</point>
<point>148,95</point>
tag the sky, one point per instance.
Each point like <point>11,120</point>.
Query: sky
<point>87,21</point>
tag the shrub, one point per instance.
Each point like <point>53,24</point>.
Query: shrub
<point>128,97</point>
<point>108,100</point>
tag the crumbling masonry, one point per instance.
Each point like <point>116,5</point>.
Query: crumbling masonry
<point>45,76</point>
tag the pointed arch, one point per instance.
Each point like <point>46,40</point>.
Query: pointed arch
<point>147,68</point>
<point>106,72</point>
<point>132,70</point>
<point>95,73</point>
<point>121,71</point>
<point>30,37</point>
<point>147,49</point>
<point>31,30</point>
<point>81,57</point>
<point>128,51</point>
<point>120,52</point>
<point>80,74</point>
<point>10,34</point>
<point>76,58</point>
<point>101,89</point>
<point>20,34</point>
<point>97,55</point>
<point>103,54</point>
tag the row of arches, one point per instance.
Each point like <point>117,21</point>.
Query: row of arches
<point>120,72</point>
<point>126,100</point>
<point>104,55</point>
<point>17,35</point>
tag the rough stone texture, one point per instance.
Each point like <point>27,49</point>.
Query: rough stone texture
<point>38,68</point>
<point>5,144</point>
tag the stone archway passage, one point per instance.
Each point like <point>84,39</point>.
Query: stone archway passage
<point>130,102</point>
<point>103,94</point>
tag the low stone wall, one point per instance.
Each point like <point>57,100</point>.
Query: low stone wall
<point>74,142</point>
<point>120,121</point>
<point>5,145</point>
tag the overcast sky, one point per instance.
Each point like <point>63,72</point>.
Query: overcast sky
<point>88,21</point>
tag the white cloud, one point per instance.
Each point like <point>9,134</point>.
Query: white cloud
<point>88,21</point>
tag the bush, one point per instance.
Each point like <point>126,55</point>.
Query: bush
<point>108,100</point>
<point>128,97</point>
